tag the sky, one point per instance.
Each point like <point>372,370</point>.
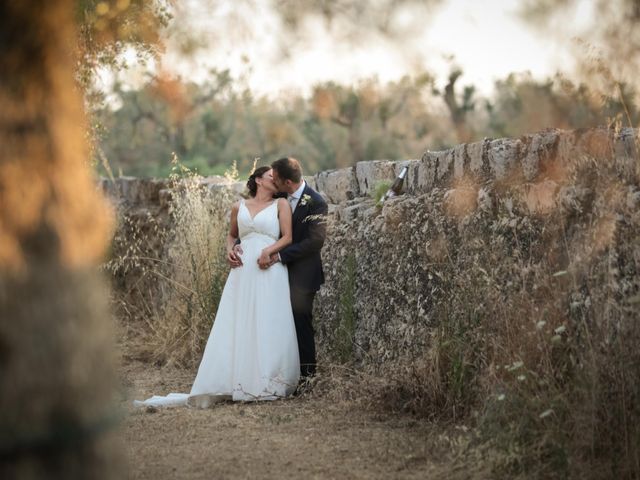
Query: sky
<point>487,39</point>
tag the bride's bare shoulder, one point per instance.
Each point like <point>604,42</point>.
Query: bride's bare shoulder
<point>283,203</point>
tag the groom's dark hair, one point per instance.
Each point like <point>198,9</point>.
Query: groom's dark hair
<point>288,168</point>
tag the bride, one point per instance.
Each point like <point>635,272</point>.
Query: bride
<point>252,350</point>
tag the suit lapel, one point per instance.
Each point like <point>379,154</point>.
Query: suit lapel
<point>301,210</point>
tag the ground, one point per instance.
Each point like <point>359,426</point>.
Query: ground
<point>313,436</point>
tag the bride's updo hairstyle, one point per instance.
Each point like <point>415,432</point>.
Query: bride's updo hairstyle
<point>251,183</point>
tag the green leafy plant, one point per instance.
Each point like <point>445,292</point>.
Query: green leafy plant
<point>379,191</point>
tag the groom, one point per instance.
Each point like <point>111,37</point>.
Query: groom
<point>302,256</point>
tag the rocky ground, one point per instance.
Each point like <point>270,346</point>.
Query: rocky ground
<point>312,436</point>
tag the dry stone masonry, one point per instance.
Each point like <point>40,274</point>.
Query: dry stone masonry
<point>458,245</point>
<point>480,225</point>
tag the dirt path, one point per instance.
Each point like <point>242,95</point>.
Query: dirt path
<point>306,437</point>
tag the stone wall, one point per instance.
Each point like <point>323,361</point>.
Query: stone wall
<point>528,158</point>
<point>480,225</point>
<point>473,218</point>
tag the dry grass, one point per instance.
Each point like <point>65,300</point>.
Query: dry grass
<point>169,276</point>
<point>325,433</point>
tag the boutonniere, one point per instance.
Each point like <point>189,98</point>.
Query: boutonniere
<point>306,200</point>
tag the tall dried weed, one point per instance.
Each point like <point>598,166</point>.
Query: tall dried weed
<point>169,275</point>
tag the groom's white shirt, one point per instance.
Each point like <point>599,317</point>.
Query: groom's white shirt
<point>294,197</point>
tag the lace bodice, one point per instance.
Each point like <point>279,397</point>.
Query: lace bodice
<point>265,221</point>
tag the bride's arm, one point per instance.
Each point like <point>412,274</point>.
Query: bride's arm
<point>284,217</point>
<point>232,237</point>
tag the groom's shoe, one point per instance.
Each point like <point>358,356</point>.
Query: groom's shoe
<point>305,386</point>
<point>307,370</point>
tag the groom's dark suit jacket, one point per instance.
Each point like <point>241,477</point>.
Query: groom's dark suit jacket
<point>302,257</point>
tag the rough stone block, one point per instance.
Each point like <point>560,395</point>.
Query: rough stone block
<point>426,171</point>
<point>237,188</point>
<point>435,167</point>
<point>476,157</point>
<point>138,190</point>
<point>370,173</point>
<point>311,181</point>
<point>149,189</point>
<point>400,164</point>
<point>346,213</point>
<point>541,149</point>
<point>444,171</point>
<point>338,185</point>
<point>127,188</point>
<point>503,156</point>
<point>460,160</point>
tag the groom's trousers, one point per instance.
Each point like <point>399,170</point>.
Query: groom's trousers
<point>302,306</point>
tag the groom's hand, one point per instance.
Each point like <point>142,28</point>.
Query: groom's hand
<point>275,258</point>
<point>233,257</point>
<point>264,261</point>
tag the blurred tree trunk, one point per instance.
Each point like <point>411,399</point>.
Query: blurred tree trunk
<point>356,150</point>
<point>457,111</point>
<point>56,361</point>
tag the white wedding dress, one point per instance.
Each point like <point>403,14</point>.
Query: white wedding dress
<point>252,351</point>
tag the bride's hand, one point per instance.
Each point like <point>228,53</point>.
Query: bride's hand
<point>233,256</point>
<point>264,261</point>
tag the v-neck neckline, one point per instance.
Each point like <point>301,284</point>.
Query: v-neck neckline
<point>259,211</point>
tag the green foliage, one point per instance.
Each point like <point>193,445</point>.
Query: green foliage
<point>380,190</point>
<point>213,124</point>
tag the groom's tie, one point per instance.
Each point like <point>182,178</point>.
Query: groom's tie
<point>293,201</point>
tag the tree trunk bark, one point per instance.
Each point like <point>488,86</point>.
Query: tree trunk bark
<point>56,360</point>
